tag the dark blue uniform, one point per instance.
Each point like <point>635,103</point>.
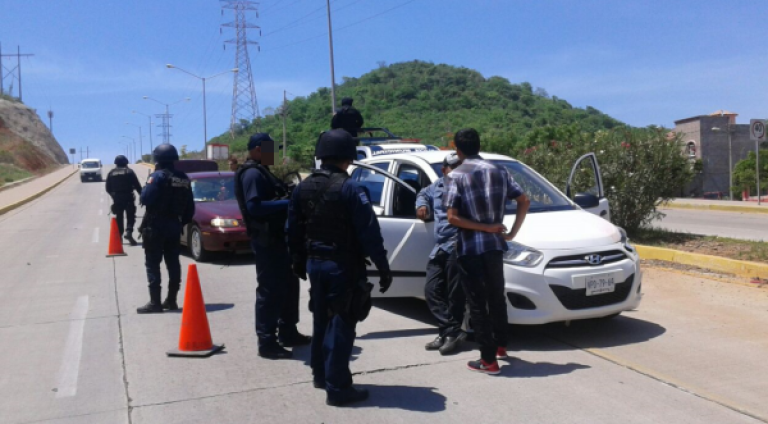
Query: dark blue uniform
<point>332,269</point>
<point>277,294</point>
<point>165,226</point>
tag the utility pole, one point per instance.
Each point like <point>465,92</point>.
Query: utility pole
<point>16,70</point>
<point>244,104</point>
<point>330,49</point>
<point>284,113</point>
<point>50,119</point>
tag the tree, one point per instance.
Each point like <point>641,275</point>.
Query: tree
<point>183,151</point>
<point>744,174</point>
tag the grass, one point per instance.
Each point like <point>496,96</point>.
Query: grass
<point>745,250</point>
<point>10,173</point>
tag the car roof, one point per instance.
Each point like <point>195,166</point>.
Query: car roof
<point>90,160</point>
<point>434,156</point>
<point>210,174</point>
<point>397,146</point>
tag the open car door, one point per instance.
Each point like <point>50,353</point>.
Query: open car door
<point>585,186</point>
<point>408,240</point>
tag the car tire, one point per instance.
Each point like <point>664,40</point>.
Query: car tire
<point>195,245</point>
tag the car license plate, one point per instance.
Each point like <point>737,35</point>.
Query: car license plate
<point>601,283</point>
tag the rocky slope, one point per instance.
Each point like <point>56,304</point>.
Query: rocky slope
<point>25,141</point>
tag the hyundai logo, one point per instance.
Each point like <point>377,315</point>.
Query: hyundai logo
<point>594,259</point>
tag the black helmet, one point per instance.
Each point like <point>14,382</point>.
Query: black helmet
<point>346,101</point>
<point>121,160</point>
<point>336,144</point>
<point>165,153</point>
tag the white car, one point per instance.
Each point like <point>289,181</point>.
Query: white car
<point>567,263</point>
<point>90,169</point>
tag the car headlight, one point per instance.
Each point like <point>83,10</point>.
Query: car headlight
<point>625,240</point>
<point>520,255</point>
<point>225,223</point>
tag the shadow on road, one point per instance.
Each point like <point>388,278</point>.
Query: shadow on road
<point>210,307</point>
<point>225,259</point>
<point>582,334</point>
<point>410,398</point>
<point>518,368</point>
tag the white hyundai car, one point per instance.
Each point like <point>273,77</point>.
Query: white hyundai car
<point>568,261</point>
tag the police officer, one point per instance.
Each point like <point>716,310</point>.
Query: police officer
<point>263,201</point>
<point>348,118</point>
<point>121,183</point>
<point>170,206</point>
<point>331,229</point>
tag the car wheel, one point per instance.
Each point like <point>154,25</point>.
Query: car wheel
<point>196,247</point>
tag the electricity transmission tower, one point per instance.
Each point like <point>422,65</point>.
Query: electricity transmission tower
<point>244,104</point>
<point>14,73</point>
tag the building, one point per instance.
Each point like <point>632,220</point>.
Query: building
<point>706,139</point>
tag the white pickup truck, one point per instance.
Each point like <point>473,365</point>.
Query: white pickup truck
<point>90,170</point>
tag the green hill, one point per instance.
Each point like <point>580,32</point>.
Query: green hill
<point>429,102</point>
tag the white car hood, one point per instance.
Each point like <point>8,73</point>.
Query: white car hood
<point>564,230</point>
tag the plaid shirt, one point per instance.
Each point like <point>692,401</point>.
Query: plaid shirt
<point>478,189</point>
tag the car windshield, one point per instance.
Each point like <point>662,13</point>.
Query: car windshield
<point>215,189</point>
<point>544,197</point>
<point>90,165</point>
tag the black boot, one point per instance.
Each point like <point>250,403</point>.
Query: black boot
<point>130,238</point>
<point>346,396</point>
<point>154,306</point>
<point>292,338</point>
<point>170,301</point>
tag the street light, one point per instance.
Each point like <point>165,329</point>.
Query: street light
<point>126,147</point>
<point>167,120</point>
<point>205,115</point>
<point>150,132</point>
<point>730,158</point>
<point>141,148</point>
<point>330,50</point>
<point>133,140</point>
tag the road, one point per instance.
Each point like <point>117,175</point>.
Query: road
<point>746,226</point>
<point>75,351</point>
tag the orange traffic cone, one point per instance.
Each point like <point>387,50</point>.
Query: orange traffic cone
<point>195,336</point>
<point>115,242</point>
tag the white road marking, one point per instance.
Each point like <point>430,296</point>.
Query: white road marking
<point>70,363</point>
<point>101,200</point>
<point>101,211</point>
<point>95,235</point>
<point>402,243</point>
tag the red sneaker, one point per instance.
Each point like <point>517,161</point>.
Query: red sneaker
<point>501,353</point>
<point>484,367</point>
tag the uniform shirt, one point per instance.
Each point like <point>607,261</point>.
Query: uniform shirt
<point>364,222</point>
<point>348,119</point>
<point>150,196</point>
<point>479,189</point>
<point>133,182</point>
<point>259,193</point>
<point>446,234</point>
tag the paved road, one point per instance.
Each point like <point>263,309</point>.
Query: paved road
<point>746,226</point>
<point>75,351</point>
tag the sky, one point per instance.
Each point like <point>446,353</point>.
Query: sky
<point>643,62</point>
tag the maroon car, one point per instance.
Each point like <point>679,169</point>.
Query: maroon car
<point>218,224</point>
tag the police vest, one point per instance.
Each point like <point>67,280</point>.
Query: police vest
<point>120,180</point>
<point>174,196</point>
<point>324,211</point>
<point>273,223</point>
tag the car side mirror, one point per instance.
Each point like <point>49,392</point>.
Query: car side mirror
<point>586,200</point>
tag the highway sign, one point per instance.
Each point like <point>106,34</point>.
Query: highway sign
<point>71,151</point>
<point>757,130</point>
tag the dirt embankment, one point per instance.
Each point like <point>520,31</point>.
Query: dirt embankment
<point>25,142</point>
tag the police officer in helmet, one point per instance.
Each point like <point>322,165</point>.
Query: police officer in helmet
<point>170,206</point>
<point>121,183</point>
<point>263,202</point>
<point>332,229</point>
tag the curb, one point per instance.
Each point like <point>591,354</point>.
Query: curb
<point>23,202</point>
<point>722,208</point>
<point>731,266</point>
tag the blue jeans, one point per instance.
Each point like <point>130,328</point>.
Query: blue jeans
<point>277,293</point>
<point>333,334</point>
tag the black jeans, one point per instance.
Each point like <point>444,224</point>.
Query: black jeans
<point>482,277</point>
<point>444,294</point>
<point>277,293</point>
<point>125,205</point>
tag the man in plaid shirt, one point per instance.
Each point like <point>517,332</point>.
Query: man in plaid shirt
<point>477,194</point>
